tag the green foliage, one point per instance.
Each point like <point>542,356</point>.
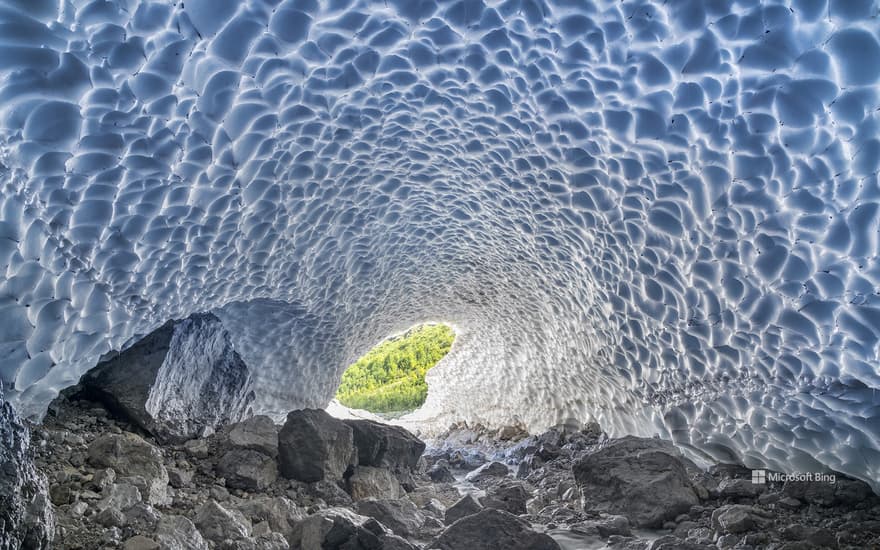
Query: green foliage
<point>391,376</point>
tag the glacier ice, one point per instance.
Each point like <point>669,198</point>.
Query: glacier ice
<point>663,216</point>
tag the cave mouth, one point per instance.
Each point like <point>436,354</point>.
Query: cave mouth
<point>389,379</point>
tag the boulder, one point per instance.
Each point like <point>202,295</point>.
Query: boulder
<point>183,380</point>
<point>491,530</point>
<point>370,482</point>
<point>386,446</point>
<point>140,542</point>
<point>604,527</point>
<point>258,433</point>
<point>247,470</point>
<point>120,496</point>
<point>440,473</point>
<point>488,472</point>
<point>313,446</point>
<point>133,458</point>
<point>218,524</point>
<point>510,496</point>
<point>280,513</point>
<point>737,518</point>
<point>337,528</point>
<point>401,515</point>
<point>465,506</point>
<point>642,479</point>
<point>178,533</point>
<point>26,517</point>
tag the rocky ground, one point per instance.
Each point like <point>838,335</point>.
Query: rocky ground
<point>322,483</point>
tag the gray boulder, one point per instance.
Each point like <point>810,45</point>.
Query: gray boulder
<point>247,470</point>
<point>737,518</point>
<point>401,515</point>
<point>386,446</point>
<point>440,473</point>
<point>642,479</point>
<point>465,506</point>
<point>337,528</point>
<point>218,524</point>
<point>258,433</point>
<point>183,380</point>
<point>510,496</point>
<point>26,518</point>
<point>488,472</point>
<point>280,513</point>
<point>178,533</point>
<point>492,530</point>
<point>370,482</point>
<point>135,459</point>
<point>313,446</point>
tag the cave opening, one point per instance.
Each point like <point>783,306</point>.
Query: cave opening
<point>389,379</point>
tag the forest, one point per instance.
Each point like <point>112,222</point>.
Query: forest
<point>391,376</point>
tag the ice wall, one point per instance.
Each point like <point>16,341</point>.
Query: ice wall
<point>663,215</point>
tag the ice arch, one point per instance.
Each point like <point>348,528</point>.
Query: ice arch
<point>662,215</point>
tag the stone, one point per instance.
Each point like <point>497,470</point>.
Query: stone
<point>178,533</point>
<point>179,478</point>
<point>140,542</point>
<point>465,506</point>
<point>670,542</point>
<point>510,496</point>
<point>313,446</point>
<point>247,470</point>
<point>643,479</point>
<point>401,515</point>
<point>604,527</point>
<point>120,496</point>
<point>26,516</point>
<point>131,456</point>
<point>110,517</point>
<point>280,513</point>
<point>370,482</point>
<point>183,380</point>
<point>492,530</point>
<point>488,472</point>
<point>440,473</point>
<point>258,433</point>
<point>735,519</point>
<point>386,446</point>
<point>337,528</point>
<point>218,524</point>
<point>198,448</point>
<point>739,488</point>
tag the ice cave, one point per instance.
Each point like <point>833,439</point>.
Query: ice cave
<point>663,217</point>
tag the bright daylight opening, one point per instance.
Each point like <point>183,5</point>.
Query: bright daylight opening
<point>389,380</point>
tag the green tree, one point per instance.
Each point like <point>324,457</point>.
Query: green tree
<point>391,376</point>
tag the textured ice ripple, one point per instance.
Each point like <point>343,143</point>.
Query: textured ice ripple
<point>661,215</point>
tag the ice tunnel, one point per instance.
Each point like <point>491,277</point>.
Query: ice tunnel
<point>660,215</point>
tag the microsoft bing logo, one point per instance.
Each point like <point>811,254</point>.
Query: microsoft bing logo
<point>759,477</point>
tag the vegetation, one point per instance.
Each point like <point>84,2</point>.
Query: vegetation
<point>391,376</point>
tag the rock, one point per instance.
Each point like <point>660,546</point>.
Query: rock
<point>184,379</point>
<point>330,492</point>
<point>643,479</point>
<point>313,446</point>
<point>178,478</point>
<point>492,530</point>
<point>604,527</point>
<point>510,496</point>
<point>120,496</point>
<point>337,528</point>
<point>280,513</point>
<point>815,535</point>
<point>198,448</point>
<point>385,446</point>
<point>247,470</point>
<point>739,488</point>
<point>218,524</point>
<point>488,472</point>
<point>103,479</point>
<point>110,517</point>
<point>140,542</point>
<point>179,533</point>
<point>465,506</point>
<point>258,433</point>
<point>26,517</point>
<point>736,518</point>
<point>439,472</point>
<point>130,456</point>
<point>370,482</point>
<point>669,542</point>
<point>401,515</point>
<point>506,433</point>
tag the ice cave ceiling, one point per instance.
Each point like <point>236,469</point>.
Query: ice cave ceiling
<point>663,215</point>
